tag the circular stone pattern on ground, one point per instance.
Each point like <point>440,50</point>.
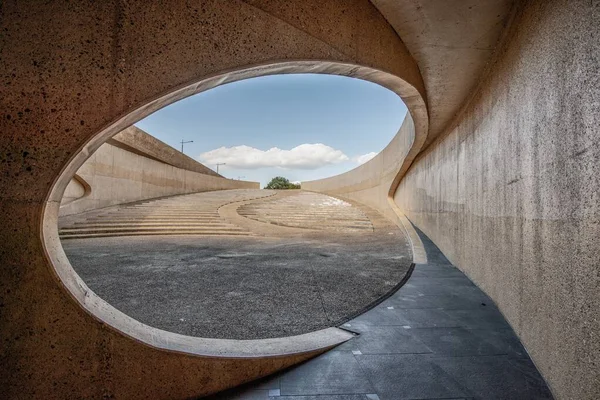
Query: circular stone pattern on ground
<point>245,287</point>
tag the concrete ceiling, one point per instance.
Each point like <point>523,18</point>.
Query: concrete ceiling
<point>452,41</point>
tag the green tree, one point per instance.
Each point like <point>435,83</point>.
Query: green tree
<point>279,182</point>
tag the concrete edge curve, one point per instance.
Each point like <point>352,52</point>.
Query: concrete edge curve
<point>107,314</point>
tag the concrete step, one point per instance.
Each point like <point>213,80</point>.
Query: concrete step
<point>301,212</point>
<point>130,228</point>
<point>309,211</point>
<point>142,225</point>
<point>315,226</point>
<point>192,214</point>
<point>162,214</point>
<point>169,232</point>
<point>306,217</point>
<point>151,217</point>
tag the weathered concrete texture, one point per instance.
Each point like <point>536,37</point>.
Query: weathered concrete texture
<point>370,183</point>
<point>307,210</point>
<point>289,282</point>
<point>131,168</point>
<point>452,41</point>
<point>75,74</point>
<point>136,140</point>
<point>511,193</point>
<point>373,182</point>
<point>75,190</point>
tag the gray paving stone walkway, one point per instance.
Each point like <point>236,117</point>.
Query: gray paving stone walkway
<point>438,337</point>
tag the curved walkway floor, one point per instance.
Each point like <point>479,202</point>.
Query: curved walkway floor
<point>438,337</point>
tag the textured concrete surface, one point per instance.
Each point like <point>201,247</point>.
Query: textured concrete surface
<point>132,167</point>
<point>136,140</point>
<point>511,194</point>
<point>370,183</point>
<point>242,288</point>
<point>452,41</point>
<point>437,337</point>
<point>287,282</point>
<point>68,87</point>
<point>528,136</point>
<point>509,190</point>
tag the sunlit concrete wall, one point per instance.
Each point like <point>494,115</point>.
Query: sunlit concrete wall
<point>511,191</point>
<point>512,194</point>
<point>371,182</point>
<point>115,175</point>
<point>76,190</point>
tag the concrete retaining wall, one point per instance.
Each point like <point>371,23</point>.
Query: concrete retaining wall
<point>117,176</point>
<point>137,141</point>
<point>511,194</point>
<point>370,183</point>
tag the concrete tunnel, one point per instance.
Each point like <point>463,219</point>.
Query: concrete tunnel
<point>497,163</point>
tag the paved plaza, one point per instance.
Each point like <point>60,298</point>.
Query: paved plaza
<point>438,337</point>
<point>296,263</point>
<point>278,281</point>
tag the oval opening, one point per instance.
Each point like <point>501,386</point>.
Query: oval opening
<point>280,257</point>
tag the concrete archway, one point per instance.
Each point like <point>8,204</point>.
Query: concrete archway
<point>98,308</point>
<point>122,62</point>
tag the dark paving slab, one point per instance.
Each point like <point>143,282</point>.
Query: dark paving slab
<point>456,342</point>
<point>384,340</point>
<point>437,337</point>
<point>480,318</point>
<point>409,377</point>
<point>242,287</point>
<point>336,372</point>
<point>503,339</point>
<point>427,318</point>
<point>446,301</point>
<point>497,377</point>
<point>330,397</point>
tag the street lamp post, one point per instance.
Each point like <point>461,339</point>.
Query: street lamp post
<point>218,166</point>
<point>182,143</point>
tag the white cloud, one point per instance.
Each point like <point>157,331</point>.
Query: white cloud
<point>365,157</point>
<point>305,156</point>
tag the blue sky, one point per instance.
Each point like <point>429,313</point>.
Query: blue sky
<point>301,126</point>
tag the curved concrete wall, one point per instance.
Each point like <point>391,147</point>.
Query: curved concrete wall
<point>67,87</point>
<point>370,182</point>
<point>117,176</point>
<point>511,194</point>
<point>137,141</point>
<point>373,182</point>
<point>76,189</point>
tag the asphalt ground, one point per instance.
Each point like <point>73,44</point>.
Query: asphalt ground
<point>243,287</point>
